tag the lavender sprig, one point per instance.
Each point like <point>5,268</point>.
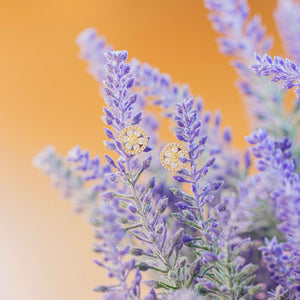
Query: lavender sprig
<point>282,259</point>
<point>111,235</point>
<point>280,70</point>
<point>158,87</point>
<point>278,294</point>
<point>207,250</point>
<point>241,37</point>
<point>216,241</point>
<point>118,83</point>
<point>287,17</point>
<point>189,131</point>
<point>287,73</point>
<point>72,178</point>
<point>92,50</point>
<point>142,218</point>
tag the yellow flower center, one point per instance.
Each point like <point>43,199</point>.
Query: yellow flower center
<point>174,157</point>
<point>133,140</point>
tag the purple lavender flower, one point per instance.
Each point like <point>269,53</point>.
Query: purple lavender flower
<point>220,231</point>
<point>118,83</point>
<point>92,50</point>
<point>287,17</point>
<point>241,36</point>
<point>282,259</point>
<point>111,235</point>
<point>278,293</point>
<point>145,217</point>
<point>189,131</point>
<point>285,71</point>
<point>283,266</point>
<point>184,294</point>
<point>158,86</point>
<point>151,84</point>
<point>206,248</point>
<point>70,181</point>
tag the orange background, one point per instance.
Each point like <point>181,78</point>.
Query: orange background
<point>47,97</point>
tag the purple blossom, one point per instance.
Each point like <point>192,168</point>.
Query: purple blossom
<point>282,259</point>
<point>92,49</point>
<point>189,131</point>
<point>280,70</point>
<point>287,17</point>
<point>71,178</point>
<point>284,267</point>
<point>157,85</point>
<point>278,293</point>
<point>111,236</point>
<point>241,36</point>
<point>197,242</point>
<point>150,83</point>
<point>118,83</point>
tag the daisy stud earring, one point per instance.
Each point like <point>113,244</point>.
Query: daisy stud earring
<point>170,157</point>
<point>134,139</point>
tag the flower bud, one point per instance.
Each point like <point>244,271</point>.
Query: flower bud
<point>143,266</point>
<point>216,185</point>
<point>177,241</point>
<point>209,256</point>
<point>153,284</point>
<point>110,145</point>
<point>172,275</point>
<point>111,176</point>
<point>181,205</point>
<point>108,195</point>
<point>101,288</point>
<point>151,183</point>
<point>123,220</point>
<point>146,163</point>
<point>159,228</point>
<point>136,251</point>
<point>162,205</point>
<point>195,268</point>
<point>97,248</point>
<point>181,261</point>
<point>132,208</point>
<point>187,238</point>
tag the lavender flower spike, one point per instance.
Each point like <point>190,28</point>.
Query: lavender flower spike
<point>110,234</point>
<point>241,36</point>
<point>283,259</point>
<point>287,17</point>
<point>283,70</point>
<point>92,49</point>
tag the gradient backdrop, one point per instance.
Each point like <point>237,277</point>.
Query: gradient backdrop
<point>47,97</point>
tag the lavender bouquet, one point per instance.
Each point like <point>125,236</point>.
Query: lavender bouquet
<point>187,220</point>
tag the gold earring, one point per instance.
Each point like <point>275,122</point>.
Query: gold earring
<point>134,139</point>
<point>170,157</point>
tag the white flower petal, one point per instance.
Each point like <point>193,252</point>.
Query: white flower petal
<point>137,133</point>
<point>174,149</point>
<point>141,141</point>
<point>125,138</point>
<point>174,165</point>
<point>136,147</point>
<point>167,161</point>
<point>167,153</point>
<point>181,153</point>
<point>130,132</point>
<point>128,146</point>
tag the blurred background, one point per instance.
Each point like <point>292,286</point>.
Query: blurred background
<point>47,97</point>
